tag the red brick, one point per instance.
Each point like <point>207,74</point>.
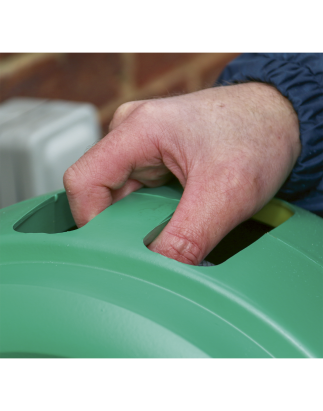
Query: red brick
<point>4,56</point>
<point>177,88</point>
<point>77,77</point>
<point>211,74</point>
<point>171,89</point>
<point>149,66</point>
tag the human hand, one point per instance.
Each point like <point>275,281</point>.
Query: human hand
<point>230,147</point>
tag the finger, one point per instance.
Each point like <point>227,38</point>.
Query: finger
<point>205,214</point>
<point>153,176</point>
<point>129,187</point>
<point>148,176</point>
<point>105,169</point>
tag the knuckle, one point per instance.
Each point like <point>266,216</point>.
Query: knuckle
<point>69,178</point>
<point>121,113</point>
<point>147,108</point>
<point>72,179</point>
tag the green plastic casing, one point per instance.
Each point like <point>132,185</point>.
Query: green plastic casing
<point>98,291</point>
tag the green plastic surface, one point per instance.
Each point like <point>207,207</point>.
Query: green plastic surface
<point>99,292</point>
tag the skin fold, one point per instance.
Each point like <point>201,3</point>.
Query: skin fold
<point>230,147</point>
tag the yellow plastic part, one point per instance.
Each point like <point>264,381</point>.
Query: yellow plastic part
<point>274,213</point>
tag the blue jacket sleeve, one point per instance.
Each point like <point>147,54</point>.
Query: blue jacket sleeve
<point>299,77</point>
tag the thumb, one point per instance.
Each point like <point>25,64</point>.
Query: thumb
<point>203,217</point>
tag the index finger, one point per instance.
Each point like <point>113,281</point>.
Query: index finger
<point>90,182</point>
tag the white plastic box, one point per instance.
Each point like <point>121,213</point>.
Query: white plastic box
<point>39,140</point>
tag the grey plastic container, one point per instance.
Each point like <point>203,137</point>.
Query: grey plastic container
<point>39,140</point>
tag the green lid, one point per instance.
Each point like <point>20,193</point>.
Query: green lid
<point>98,291</point>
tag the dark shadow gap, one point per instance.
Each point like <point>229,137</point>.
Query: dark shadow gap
<point>238,239</point>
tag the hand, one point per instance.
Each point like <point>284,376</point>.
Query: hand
<point>230,147</point>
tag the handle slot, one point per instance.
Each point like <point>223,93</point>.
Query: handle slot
<point>270,216</point>
<point>51,217</point>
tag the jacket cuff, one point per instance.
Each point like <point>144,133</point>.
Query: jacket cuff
<point>294,77</point>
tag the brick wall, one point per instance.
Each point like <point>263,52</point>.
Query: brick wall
<point>107,79</point>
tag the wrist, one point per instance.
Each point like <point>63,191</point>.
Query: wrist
<point>283,110</point>
<point>271,113</point>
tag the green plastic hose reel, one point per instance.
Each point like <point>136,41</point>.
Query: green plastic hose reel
<point>98,291</point>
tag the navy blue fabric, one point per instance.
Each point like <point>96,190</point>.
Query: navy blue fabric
<point>299,77</point>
